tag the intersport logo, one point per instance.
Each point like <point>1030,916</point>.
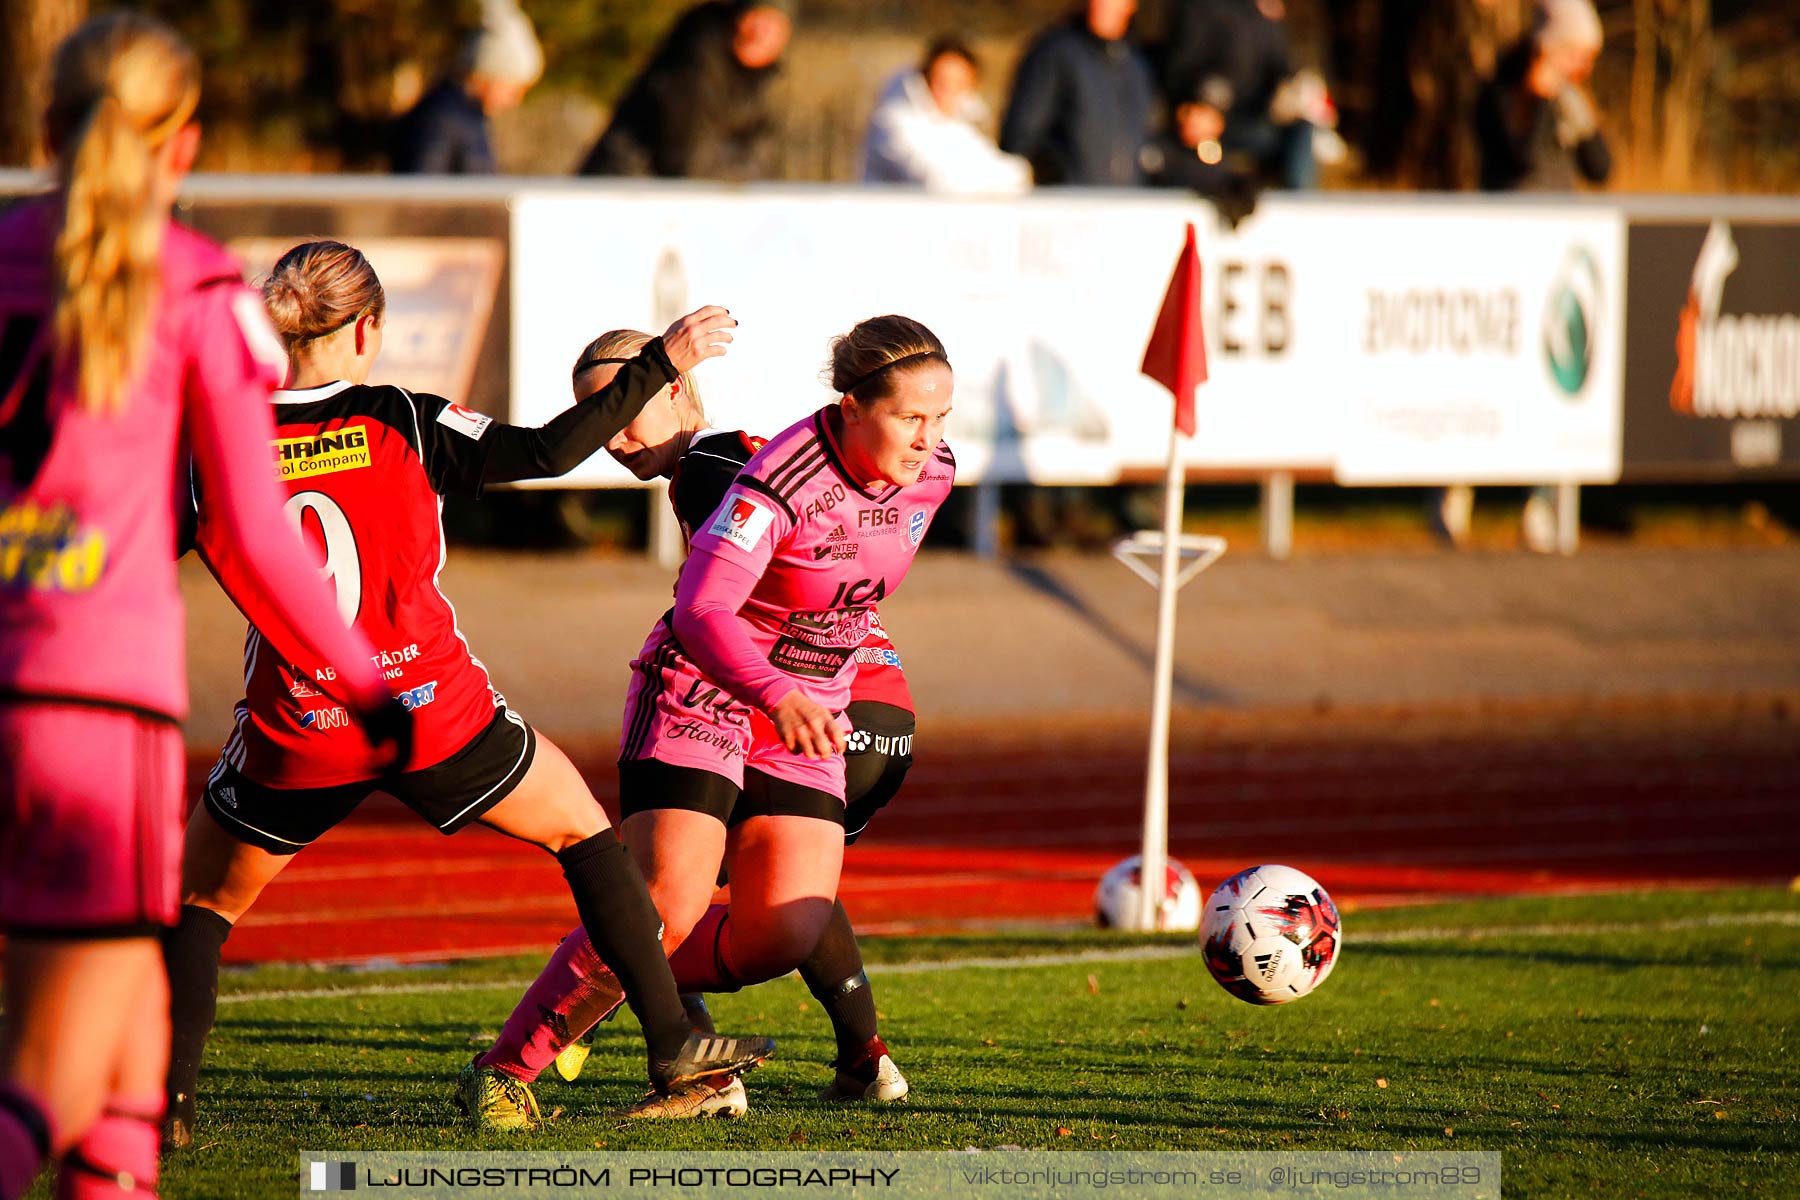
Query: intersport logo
<point>1732,364</point>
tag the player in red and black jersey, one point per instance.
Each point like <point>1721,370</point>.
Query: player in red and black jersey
<point>671,438</point>
<point>366,469</point>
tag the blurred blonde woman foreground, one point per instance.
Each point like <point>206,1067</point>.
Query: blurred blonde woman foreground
<point>122,336</point>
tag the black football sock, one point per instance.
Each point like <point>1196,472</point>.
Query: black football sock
<point>191,958</point>
<point>834,974</point>
<point>24,1139</point>
<point>698,1016</point>
<point>621,920</point>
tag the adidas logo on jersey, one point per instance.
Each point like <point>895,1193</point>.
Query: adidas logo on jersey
<point>838,545</point>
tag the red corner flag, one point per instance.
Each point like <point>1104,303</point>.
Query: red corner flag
<point>1176,356</point>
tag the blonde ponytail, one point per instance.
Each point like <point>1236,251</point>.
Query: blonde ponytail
<point>121,86</point>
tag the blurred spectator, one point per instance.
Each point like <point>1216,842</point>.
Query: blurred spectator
<point>1080,108</point>
<point>700,109</point>
<point>1231,57</point>
<point>1189,155</point>
<point>1536,130</point>
<point>446,133</point>
<point>1535,120</point>
<point>926,128</point>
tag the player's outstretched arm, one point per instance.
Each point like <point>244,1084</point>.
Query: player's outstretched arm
<point>572,436</point>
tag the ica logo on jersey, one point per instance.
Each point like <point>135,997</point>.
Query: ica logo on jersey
<point>862,592</point>
<point>317,454</point>
<point>741,521</point>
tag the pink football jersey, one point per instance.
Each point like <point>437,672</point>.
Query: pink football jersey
<point>815,552</point>
<point>89,607</point>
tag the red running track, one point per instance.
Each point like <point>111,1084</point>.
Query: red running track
<point>1013,824</point>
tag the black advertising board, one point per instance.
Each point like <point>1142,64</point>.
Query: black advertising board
<point>1712,350</point>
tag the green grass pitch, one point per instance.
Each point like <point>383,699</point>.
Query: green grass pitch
<point>1619,1045</point>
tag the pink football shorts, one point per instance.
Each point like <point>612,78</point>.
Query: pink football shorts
<point>676,715</point>
<point>90,821</point>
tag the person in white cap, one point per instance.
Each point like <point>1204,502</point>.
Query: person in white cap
<point>1537,132</point>
<point>1535,120</point>
<point>446,133</point>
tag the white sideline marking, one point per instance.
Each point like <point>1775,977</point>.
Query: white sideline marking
<point>1127,954</point>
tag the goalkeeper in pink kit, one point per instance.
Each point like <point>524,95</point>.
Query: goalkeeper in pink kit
<point>123,340</point>
<point>732,750</point>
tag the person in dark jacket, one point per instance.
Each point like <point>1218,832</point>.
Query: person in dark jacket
<point>1188,154</point>
<point>1080,108</point>
<point>1534,120</point>
<point>1229,59</point>
<point>700,109</point>
<point>446,133</point>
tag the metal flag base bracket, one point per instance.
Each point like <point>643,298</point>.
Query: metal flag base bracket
<point>1167,560</point>
<point>1144,548</point>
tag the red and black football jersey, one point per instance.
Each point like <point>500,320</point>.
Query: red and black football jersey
<point>366,470</point>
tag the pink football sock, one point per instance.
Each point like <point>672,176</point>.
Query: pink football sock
<point>572,994</point>
<point>702,963</point>
<point>118,1155</point>
<point>24,1140</point>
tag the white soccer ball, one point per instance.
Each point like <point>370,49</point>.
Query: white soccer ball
<point>1116,899</point>
<point>1270,934</point>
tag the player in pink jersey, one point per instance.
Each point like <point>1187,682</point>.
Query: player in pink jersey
<point>122,338</point>
<point>368,467</point>
<point>733,739</point>
<point>672,438</point>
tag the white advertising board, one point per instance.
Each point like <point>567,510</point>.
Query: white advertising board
<point>1045,307</point>
<point>1480,344</point>
<point>1400,343</point>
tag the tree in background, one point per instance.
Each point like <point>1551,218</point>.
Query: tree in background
<point>29,32</point>
<point>1412,70</point>
<point>312,86</point>
<point>1698,94</point>
<point>1695,93</point>
<point>1671,68</point>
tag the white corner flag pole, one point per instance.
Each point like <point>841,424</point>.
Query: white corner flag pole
<point>1178,332</point>
<point>1155,853</point>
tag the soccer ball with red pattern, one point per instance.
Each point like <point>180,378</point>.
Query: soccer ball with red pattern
<point>1116,899</point>
<point>1270,934</point>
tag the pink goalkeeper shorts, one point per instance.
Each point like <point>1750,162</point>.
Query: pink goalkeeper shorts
<point>90,821</point>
